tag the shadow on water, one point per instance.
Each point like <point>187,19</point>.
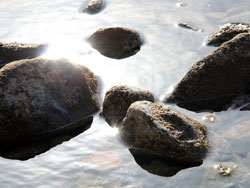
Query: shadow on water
<point>37,144</point>
<point>158,165</point>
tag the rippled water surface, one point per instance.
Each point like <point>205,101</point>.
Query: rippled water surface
<point>96,158</point>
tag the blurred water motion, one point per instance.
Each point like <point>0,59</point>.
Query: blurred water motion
<point>165,57</point>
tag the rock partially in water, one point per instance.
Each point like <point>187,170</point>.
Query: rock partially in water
<point>94,6</point>
<point>187,26</point>
<point>215,81</point>
<point>13,51</point>
<point>117,101</point>
<point>116,42</point>
<point>157,164</point>
<point>227,32</point>
<point>44,98</point>
<point>165,132</point>
<point>241,102</point>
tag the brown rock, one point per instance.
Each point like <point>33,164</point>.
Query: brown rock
<point>42,98</point>
<point>115,42</point>
<point>227,32</point>
<point>215,81</point>
<point>94,6</point>
<point>117,101</point>
<point>165,132</point>
<point>13,51</point>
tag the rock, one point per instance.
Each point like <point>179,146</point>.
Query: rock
<point>187,26</point>
<point>165,132</point>
<point>241,102</point>
<point>227,32</point>
<point>94,6</point>
<point>42,98</point>
<point>156,164</point>
<point>13,51</point>
<point>215,81</point>
<point>116,42</point>
<point>117,101</point>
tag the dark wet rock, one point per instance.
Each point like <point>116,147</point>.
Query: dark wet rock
<point>30,150</point>
<point>187,26</point>
<point>116,42</point>
<point>94,6</point>
<point>227,32</point>
<point>157,164</point>
<point>165,132</point>
<point>215,81</point>
<point>117,101</point>
<point>42,98</point>
<point>13,51</point>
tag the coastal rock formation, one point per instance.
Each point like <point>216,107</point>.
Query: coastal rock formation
<point>116,42</point>
<point>117,101</point>
<point>227,32</point>
<point>94,6</point>
<point>164,132</point>
<point>13,51</point>
<point>42,98</point>
<point>215,81</point>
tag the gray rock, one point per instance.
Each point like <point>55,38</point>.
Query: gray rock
<point>165,132</point>
<point>13,51</point>
<point>227,32</point>
<point>94,6</point>
<point>41,98</point>
<point>116,42</point>
<point>117,101</point>
<point>215,81</point>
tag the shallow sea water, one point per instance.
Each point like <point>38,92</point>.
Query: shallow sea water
<point>96,158</point>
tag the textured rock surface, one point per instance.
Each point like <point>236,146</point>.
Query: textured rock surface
<point>117,101</point>
<point>215,81</point>
<point>116,42</point>
<point>165,132</point>
<point>41,98</point>
<point>227,32</point>
<point>94,6</point>
<point>13,51</point>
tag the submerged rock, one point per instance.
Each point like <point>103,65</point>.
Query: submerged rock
<point>117,101</point>
<point>157,164</point>
<point>215,81</point>
<point>165,132</point>
<point>227,32</point>
<point>116,42</point>
<point>42,98</point>
<point>94,6</point>
<point>187,26</point>
<point>13,51</point>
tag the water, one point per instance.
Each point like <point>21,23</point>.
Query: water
<point>96,158</point>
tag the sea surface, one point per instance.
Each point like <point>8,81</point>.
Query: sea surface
<point>97,158</point>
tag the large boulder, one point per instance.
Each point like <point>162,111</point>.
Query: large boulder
<point>93,7</point>
<point>215,81</point>
<point>14,51</point>
<point>227,32</point>
<point>165,132</point>
<point>115,42</point>
<point>41,98</point>
<point>117,101</point>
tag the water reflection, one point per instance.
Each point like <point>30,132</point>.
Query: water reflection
<point>156,164</point>
<point>33,147</point>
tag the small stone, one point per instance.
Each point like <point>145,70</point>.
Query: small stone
<point>187,26</point>
<point>14,51</point>
<point>165,132</point>
<point>216,80</point>
<point>94,6</point>
<point>117,101</point>
<point>227,32</point>
<point>116,42</point>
